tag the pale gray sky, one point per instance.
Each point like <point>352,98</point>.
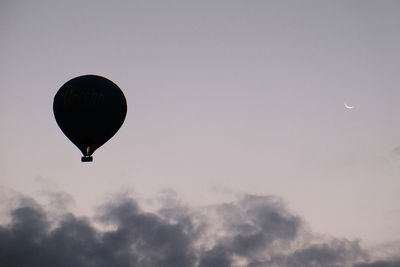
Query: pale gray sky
<point>224,97</point>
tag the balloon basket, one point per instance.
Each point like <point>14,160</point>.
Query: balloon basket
<point>87,159</point>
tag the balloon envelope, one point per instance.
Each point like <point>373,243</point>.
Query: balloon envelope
<point>89,109</point>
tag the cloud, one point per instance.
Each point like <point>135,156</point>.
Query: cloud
<point>396,150</point>
<point>380,264</point>
<point>253,231</point>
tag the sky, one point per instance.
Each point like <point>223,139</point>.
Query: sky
<point>227,101</point>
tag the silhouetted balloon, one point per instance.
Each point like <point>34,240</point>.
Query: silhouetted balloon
<point>89,109</point>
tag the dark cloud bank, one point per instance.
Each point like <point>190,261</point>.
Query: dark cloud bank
<point>254,231</point>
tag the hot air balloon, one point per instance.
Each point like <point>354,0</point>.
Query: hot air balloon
<point>89,109</point>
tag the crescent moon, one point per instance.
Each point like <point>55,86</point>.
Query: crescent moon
<point>348,107</point>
